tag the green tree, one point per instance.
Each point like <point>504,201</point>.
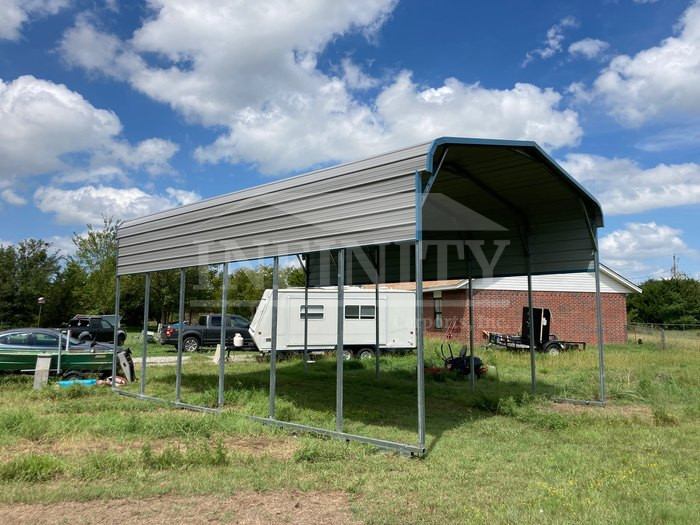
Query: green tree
<point>96,254</point>
<point>28,271</point>
<point>666,301</point>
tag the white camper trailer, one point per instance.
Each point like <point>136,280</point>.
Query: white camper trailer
<point>397,327</point>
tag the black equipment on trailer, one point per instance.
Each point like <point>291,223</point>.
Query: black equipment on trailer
<point>544,340</point>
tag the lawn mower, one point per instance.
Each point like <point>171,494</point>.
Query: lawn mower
<point>460,363</point>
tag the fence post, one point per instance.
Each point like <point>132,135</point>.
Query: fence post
<point>663,340</point>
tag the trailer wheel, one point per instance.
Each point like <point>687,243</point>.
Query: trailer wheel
<point>347,354</point>
<point>365,353</point>
<point>71,374</point>
<point>553,348</point>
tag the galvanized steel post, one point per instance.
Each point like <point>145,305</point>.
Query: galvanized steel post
<point>116,333</point>
<point>306,315</point>
<point>339,348</point>
<point>144,343</point>
<point>471,325</point>
<point>420,370</point>
<point>599,313</point>
<point>224,326</point>
<point>180,329</point>
<point>273,335</point>
<point>531,317</point>
<point>376,314</point>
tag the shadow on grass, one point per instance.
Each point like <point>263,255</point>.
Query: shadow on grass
<point>384,405</point>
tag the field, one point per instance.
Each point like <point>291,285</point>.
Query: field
<point>497,455</point>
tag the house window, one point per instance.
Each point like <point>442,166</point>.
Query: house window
<point>437,303</point>
<point>311,311</point>
<point>356,311</point>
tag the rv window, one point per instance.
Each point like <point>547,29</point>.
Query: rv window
<point>352,311</point>
<point>355,311</point>
<point>367,312</point>
<point>315,311</point>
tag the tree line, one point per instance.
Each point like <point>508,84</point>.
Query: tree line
<point>84,283</point>
<point>673,301</point>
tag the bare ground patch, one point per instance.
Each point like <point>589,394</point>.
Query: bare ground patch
<point>641,412</point>
<point>317,508</point>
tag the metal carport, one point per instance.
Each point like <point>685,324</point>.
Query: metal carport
<point>450,208</point>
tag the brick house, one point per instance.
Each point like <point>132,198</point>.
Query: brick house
<point>498,304</point>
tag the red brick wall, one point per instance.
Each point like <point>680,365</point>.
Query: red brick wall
<point>573,314</point>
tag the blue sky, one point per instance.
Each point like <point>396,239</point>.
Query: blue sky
<point>125,109</point>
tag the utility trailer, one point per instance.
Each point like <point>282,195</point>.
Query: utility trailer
<point>544,340</point>
<point>397,329</point>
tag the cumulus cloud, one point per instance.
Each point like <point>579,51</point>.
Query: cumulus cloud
<point>659,82</point>
<point>88,204</point>
<point>553,41</point>
<point>11,197</point>
<point>623,186</point>
<point>589,48</point>
<point>15,13</point>
<point>639,247</point>
<point>47,128</point>
<point>250,69</point>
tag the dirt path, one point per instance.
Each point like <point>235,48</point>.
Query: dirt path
<point>317,508</point>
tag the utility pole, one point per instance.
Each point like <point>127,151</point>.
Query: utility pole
<point>674,268</point>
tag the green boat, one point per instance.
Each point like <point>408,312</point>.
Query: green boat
<point>20,347</point>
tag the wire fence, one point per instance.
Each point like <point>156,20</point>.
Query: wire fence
<point>665,336</point>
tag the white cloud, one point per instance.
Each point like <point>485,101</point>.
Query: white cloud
<point>47,128</point>
<point>63,243</point>
<point>11,197</point>
<point>88,204</point>
<point>659,82</point>
<point>252,69</point>
<point>15,13</point>
<point>589,48</point>
<point>640,247</point>
<point>623,186</point>
<point>680,137</point>
<point>553,41</point>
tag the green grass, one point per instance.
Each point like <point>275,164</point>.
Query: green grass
<point>497,455</point>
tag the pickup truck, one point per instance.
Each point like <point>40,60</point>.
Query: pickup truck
<point>95,328</point>
<point>207,333</point>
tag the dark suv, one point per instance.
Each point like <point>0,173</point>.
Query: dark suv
<point>95,328</point>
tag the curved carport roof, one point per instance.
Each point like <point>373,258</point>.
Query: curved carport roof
<point>497,198</point>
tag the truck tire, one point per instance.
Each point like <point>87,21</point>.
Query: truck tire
<point>365,353</point>
<point>85,337</point>
<point>347,354</point>
<point>190,344</point>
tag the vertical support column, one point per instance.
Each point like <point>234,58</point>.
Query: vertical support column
<point>224,326</point>
<point>144,342</point>
<point>420,370</point>
<point>273,335</point>
<point>532,322</point>
<point>58,359</point>
<point>471,325</point>
<point>599,313</point>
<point>339,348</point>
<point>116,332</point>
<point>180,329</point>
<point>376,312</point>
<point>306,315</point>
<point>420,365</point>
